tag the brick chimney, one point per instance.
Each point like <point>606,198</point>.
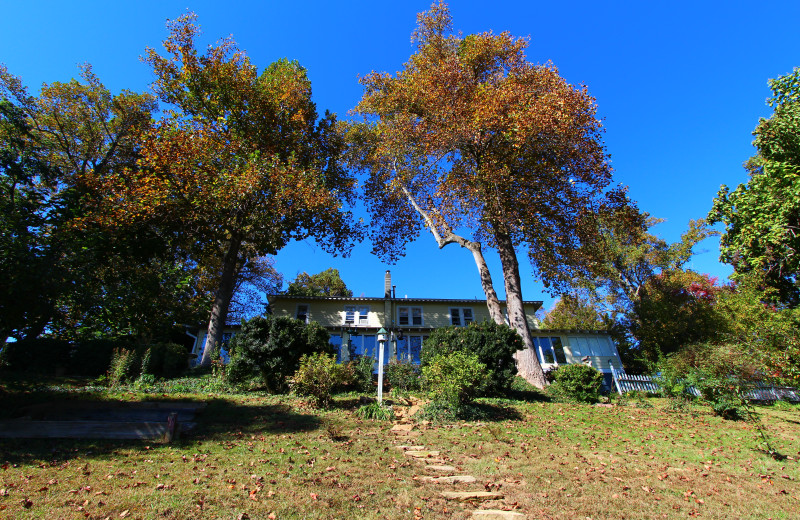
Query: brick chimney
<point>387,285</point>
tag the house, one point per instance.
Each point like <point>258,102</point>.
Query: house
<point>354,322</point>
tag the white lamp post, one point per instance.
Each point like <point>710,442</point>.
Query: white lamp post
<point>381,344</point>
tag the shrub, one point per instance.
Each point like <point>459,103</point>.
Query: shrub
<point>93,357</point>
<point>719,373</point>
<point>362,368</point>
<point>454,378</point>
<point>578,382</point>
<point>318,377</point>
<point>403,377</point>
<point>167,360</point>
<point>271,347</point>
<point>493,344</point>
<point>40,355</point>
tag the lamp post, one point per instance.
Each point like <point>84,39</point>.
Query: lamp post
<point>381,344</point>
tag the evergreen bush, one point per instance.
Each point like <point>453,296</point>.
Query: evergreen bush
<point>580,383</point>
<point>493,344</point>
<point>403,377</point>
<point>270,348</point>
<point>40,355</point>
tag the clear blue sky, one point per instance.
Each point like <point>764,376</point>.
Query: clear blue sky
<point>680,85</point>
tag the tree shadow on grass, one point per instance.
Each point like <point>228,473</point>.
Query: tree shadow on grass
<point>223,417</point>
<point>216,419</point>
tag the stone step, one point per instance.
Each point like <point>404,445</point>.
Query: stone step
<point>421,454</point>
<point>407,447</point>
<point>444,468</point>
<point>496,514</point>
<point>453,479</point>
<point>402,427</point>
<point>470,496</point>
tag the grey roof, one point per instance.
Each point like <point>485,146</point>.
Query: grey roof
<point>274,297</point>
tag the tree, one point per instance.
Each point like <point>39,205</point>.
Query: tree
<point>471,135</point>
<point>81,279</point>
<point>762,216</point>
<point>576,311</point>
<point>326,283</point>
<point>238,167</point>
<point>676,308</point>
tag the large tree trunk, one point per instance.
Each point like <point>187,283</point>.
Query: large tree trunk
<point>446,236</point>
<point>527,363</point>
<point>488,287</point>
<point>222,300</point>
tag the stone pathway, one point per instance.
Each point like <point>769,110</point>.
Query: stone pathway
<point>447,474</point>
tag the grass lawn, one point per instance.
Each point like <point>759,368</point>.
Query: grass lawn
<point>258,456</point>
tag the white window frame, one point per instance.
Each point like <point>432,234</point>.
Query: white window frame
<point>359,314</point>
<point>305,314</point>
<point>460,315</point>
<point>410,316</point>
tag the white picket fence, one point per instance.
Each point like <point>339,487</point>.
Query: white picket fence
<point>760,392</point>
<point>626,383</point>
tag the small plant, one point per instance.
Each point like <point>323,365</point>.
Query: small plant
<point>318,376</point>
<point>124,367</point>
<point>376,412</point>
<point>453,378</point>
<point>580,383</point>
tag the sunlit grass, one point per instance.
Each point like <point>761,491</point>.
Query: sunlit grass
<point>258,455</point>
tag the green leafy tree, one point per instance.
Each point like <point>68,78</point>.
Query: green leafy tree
<point>81,279</point>
<point>240,165</point>
<point>470,135</point>
<point>326,283</point>
<point>576,311</point>
<point>676,308</point>
<point>762,216</point>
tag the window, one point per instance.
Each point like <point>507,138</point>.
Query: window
<point>356,314</point>
<point>461,316</point>
<point>582,346</point>
<point>302,312</point>
<point>409,316</point>
<point>550,350</point>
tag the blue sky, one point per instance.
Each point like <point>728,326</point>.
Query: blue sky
<point>680,86</point>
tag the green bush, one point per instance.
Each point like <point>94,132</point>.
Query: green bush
<point>362,368</point>
<point>719,373</point>
<point>454,378</point>
<point>493,344</point>
<point>403,377</point>
<point>319,376</point>
<point>41,355</point>
<point>270,348</point>
<point>580,383</point>
<point>166,360</point>
<point>93,357</point>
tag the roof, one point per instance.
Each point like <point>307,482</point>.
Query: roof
<point>274,297</point>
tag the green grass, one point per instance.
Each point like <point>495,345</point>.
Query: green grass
<point>262,455</point>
